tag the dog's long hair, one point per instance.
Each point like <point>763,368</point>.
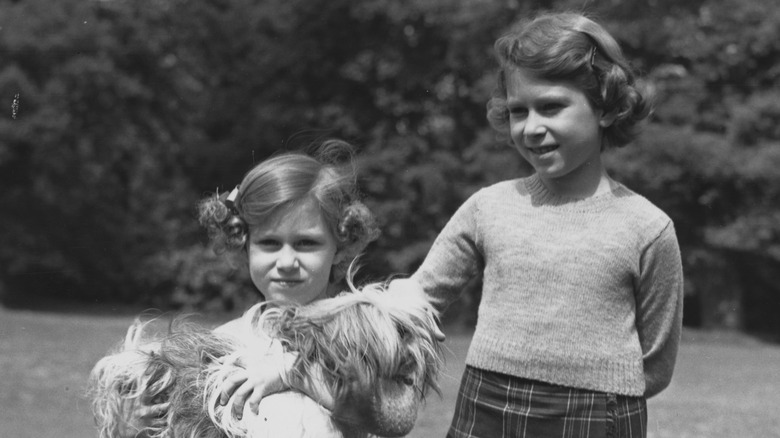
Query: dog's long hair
<point>374,352</point>
<point>149,368</point>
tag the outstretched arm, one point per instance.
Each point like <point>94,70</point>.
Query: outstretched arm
<point>455,258</point>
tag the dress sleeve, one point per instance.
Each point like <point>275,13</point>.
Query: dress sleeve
<point>454,259</point>
<point>659,309</point>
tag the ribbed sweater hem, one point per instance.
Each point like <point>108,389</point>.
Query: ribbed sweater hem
<point>618,375</point>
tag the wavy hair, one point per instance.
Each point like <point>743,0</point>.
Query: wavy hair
<point>571,47</point>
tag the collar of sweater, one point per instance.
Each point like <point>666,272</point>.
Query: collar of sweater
<point>541,196</point>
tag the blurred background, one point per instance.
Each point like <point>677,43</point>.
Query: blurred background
<point>117,116</point>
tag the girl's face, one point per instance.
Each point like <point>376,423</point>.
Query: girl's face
<point>554,127</point>
<point>292,253</point>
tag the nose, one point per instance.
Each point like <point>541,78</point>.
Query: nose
<point>533,129</point>
<point>287,260</point>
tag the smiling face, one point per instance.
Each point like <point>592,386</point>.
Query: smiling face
<point>291,254</point>
<point>555,128</point>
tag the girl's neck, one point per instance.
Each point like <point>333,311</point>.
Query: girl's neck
<point>583,183</point>
<point>333,289</point>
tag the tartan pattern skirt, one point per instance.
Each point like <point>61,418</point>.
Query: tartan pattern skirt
<point>492,405</point>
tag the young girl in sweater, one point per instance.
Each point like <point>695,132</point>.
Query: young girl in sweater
<point>581,307</point>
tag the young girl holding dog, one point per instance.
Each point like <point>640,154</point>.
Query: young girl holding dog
<point>299,220</point>
<point>581,309</point>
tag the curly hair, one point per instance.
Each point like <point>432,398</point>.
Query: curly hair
<point>326,173</point>
<point>571,47</point>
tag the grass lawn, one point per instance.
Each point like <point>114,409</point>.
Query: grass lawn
<point>726,385</point>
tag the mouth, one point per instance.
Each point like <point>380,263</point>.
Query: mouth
<point>543,149</point>
<point>286,282</point>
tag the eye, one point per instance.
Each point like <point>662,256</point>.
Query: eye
<point>518,112</point>
<point>268,244</point>
<point>551,108</point>
<point>307,243</point>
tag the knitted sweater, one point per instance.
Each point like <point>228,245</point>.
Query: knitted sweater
<point>580,293</point>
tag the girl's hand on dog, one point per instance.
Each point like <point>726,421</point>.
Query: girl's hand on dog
<point>249,384</point>
<point>408,286</point>
<point>142,416</point>
<point>245,387</point>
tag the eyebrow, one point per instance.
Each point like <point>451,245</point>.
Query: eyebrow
<point>552,94</point>
<point>308,233</point>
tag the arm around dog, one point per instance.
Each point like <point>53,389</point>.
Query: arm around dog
<point>252,384</point>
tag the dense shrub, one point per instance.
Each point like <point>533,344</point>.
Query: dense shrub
<point>129,111</point>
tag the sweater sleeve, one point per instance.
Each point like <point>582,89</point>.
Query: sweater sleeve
<point>454,258</point>
<point>659,309</point>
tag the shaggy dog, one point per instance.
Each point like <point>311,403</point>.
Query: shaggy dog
<point>374,353</point>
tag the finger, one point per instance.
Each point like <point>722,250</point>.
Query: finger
<point>254,401</point>
<point>230,385</point>
<point>240,397</point>
<point>234,360</point>
<point>152,412</point>
<point>160,422</point>
<point>159,410</point>
<point>144,411</point>
<point>147,398</point>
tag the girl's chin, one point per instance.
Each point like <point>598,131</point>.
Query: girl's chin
<point>297,295</point>
<point>547,172</point>
<point>549,163</point>
<point>283,294</point>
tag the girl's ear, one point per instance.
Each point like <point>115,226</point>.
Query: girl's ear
<point>607,119</point>
<point>337,271</point>
<point>340,256</point>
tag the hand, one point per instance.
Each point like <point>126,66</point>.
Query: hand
<point>142,415</point>
<point>408,286</point>
<point>249,384</point>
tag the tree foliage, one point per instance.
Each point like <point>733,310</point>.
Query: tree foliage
<point>129,111</point>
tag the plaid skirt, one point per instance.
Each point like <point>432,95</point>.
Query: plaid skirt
<point>492,405</point>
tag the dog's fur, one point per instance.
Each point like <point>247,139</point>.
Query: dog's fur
<point>374,352</point>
